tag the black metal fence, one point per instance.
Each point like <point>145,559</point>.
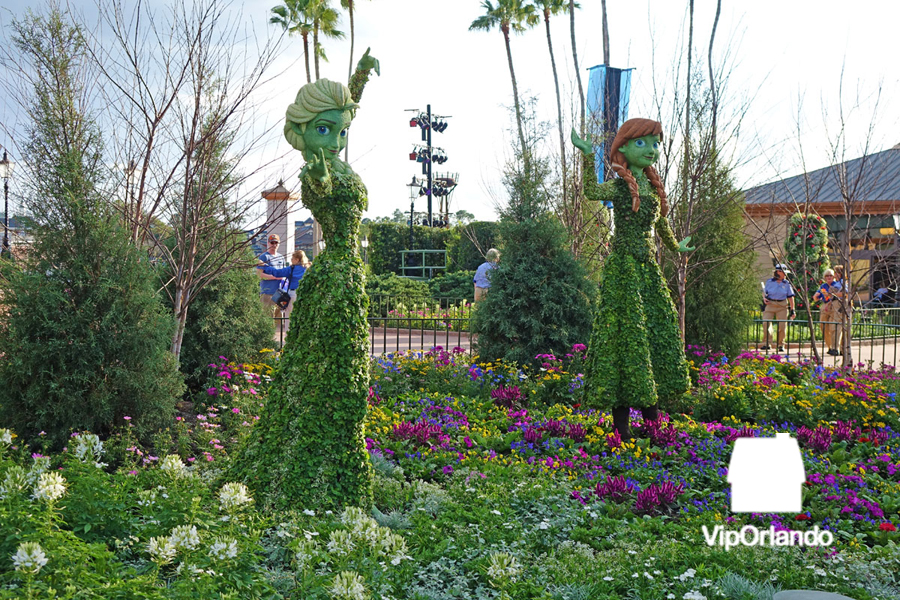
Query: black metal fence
<point>870,341</point>
<point>400,324</point>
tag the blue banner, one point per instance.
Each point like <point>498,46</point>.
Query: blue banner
<point>608,94</point>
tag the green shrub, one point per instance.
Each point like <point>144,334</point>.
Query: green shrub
<point>386,240</point>
<point>86,338</point>
<point>387,291</point>
<point>458,284</point>
<point>225,319</point>
<point>468,244</point>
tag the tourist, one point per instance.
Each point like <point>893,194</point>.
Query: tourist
<point>826,294</point>
<point>483,273</point>
<point>779,304</point>
<point>294,273</point>
<point>268,284</point>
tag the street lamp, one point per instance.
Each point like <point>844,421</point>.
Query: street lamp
<point>365,244</point>
<point>5,171</point>
<point>415,187</point>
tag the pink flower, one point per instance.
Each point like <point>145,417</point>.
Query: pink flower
<point>132,472</point>
<point>212,391</point>
<point>191,459</point>
<point>236,410</point>
<point>179,418</point>
<point>225,374</point>
<point>127,418</point>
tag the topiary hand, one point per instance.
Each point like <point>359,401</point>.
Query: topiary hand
<point>369,62</point>
<point>581,144</point>
<point>683,245</point>
<point>316,167</point>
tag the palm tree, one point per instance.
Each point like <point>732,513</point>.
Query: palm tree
<point>325,19</point>
<point>509,15</point>
<point>292,16</point>
<point>548,8</point>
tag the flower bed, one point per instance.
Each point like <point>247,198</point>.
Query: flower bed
<point>491,481</point>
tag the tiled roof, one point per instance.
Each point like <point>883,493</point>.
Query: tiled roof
<point>872,178</point>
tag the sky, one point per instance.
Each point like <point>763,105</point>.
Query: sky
<point>780,51</point>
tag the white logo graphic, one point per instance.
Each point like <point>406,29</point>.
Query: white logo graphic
<point>766,475</point>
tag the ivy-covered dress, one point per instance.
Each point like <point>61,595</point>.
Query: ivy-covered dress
<point>635,355</point>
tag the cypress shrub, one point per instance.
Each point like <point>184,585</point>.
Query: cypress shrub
<point>85,338</point>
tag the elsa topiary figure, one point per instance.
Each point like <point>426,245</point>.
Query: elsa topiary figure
<point>308,450</point>
<point>636,356</point>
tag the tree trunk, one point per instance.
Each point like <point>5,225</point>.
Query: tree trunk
<point>512,74</point>
<point>605,33</point>
<point>350,69</point>
<point>352,39</point>
<point>180,311</point>
<point>712,81</point>
<point>682,293</point>
<point>562,137</point>
<point>316,46</point>
<point>581,132</point>
<point>305,35</point>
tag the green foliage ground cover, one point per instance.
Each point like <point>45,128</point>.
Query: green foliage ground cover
<point>481,490</point>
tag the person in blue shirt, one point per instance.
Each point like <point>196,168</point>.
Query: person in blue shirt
<point>268,284</point>
<point>829,295</point>
<point>292,275</point>
<point>779,304</point>
<point>483,274</point>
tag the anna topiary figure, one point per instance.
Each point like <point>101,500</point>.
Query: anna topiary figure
<point>309,449</point>
<point>636,356</point>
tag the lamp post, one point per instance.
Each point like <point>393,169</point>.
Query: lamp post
<point>365,245</point>
<point>414,187</point>
<point>5,171</point>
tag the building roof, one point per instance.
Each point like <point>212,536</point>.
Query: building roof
<point>875,178</point>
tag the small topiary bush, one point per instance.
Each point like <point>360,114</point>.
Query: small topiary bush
<point>453,285</point>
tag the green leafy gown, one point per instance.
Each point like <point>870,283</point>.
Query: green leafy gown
<point>635,355</point>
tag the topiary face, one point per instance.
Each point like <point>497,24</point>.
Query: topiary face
<point>641,152</point>
<point>327,131</point>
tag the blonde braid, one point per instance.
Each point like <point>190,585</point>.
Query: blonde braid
<point>628,177</point>
<point>657,184</point>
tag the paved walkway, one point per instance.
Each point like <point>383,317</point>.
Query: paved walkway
<point>878,351</point>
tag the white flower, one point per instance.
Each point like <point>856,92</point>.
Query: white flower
<point>146,497</point>
<point>233,495</point>
<point>41,464</point>
<point>340,542</point>
<point>687,575</point>
<point>543,525</point>
<point>305,553</point>
<point>670,597</point>
<point>173,465</point>
<point>16,481</point>
<point>348,585</point>
<point>394,547</point>
<point>29,557</point>
<point>694,595</point>
<point>648,575</point>
<point>50,487</point>
<point>503,566</point>
<point>185,536</point>
<point>162,550</point>
<point>608,578</point>
<point>309,513</point>
<point>223,548</point>
<point>496,512</point>
<point>88,447</point>
<point>6,437</point>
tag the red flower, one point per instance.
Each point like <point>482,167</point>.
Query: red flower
<point>864,439</point>
<point>578,405</point>
<point>887,527</point>
<point>802,517</point>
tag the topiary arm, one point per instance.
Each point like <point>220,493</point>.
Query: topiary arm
<point>361,75</point>
<point>665,233</point>
<point>592,189</point>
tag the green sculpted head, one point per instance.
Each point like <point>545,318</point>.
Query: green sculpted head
<point>319,117</point>
<point>636,148</point>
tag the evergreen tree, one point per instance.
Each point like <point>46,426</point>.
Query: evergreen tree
<point>85,336</point>
<point>720,296</point>
<point>540,297</point>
